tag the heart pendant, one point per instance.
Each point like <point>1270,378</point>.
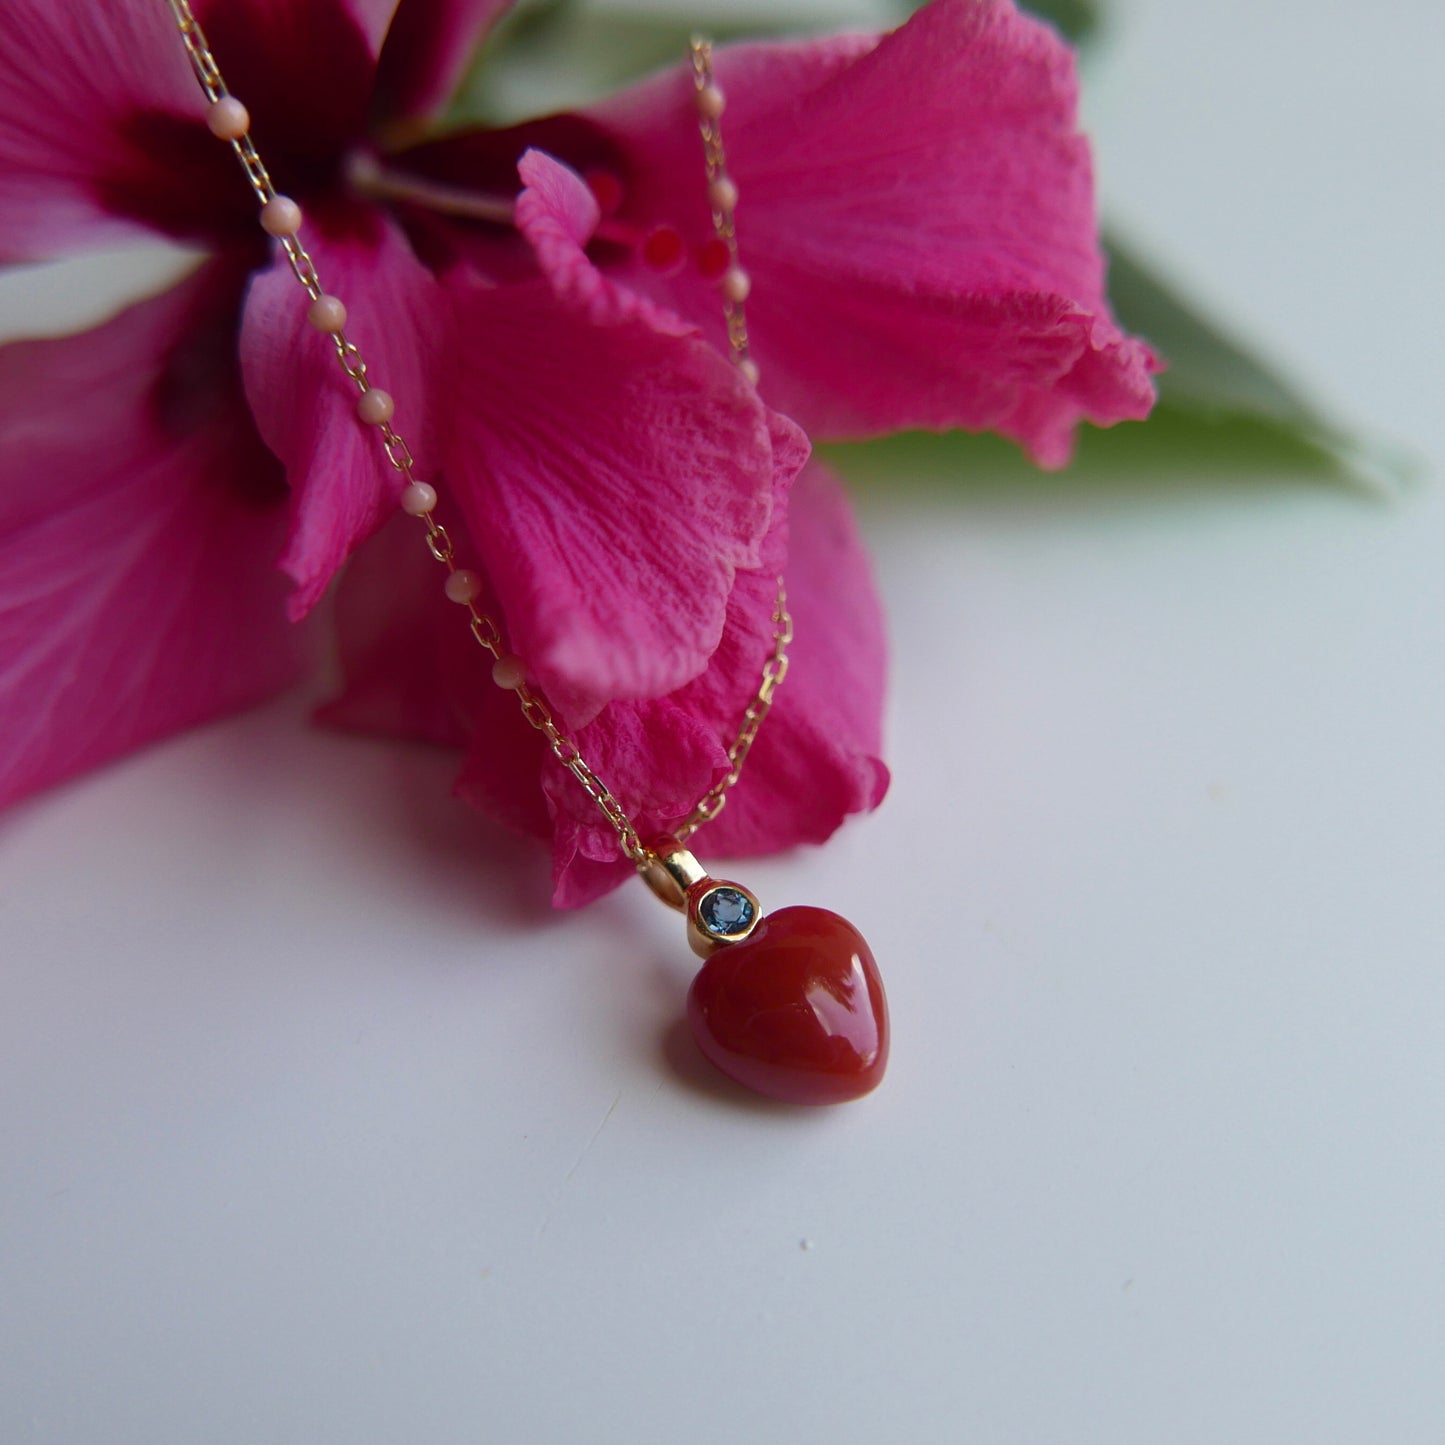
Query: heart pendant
<point>796,1012</point>
<point>788,1004</point>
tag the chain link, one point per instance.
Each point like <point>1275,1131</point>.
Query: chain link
<point>775,669</point>
<point>724,221</point>
<point>484,628</point>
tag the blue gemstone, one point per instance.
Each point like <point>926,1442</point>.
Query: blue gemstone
<point>725,912</point>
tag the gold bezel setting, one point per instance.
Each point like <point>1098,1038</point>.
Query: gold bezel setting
<point>720,912</point>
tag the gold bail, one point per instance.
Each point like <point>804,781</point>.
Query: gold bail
<point>718,912</point>
<point>670,870</point>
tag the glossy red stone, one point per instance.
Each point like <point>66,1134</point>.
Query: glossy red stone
<point>795,1012</point>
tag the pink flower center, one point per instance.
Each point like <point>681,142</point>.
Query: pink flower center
<point>712,259</point>
<point>663,249</point>
<point>660,248</point>
<point>606,191</point>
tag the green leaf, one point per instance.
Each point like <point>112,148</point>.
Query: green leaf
<point>1077,21</point>
<point>1250,409</point>
<point>1175,446</point>
<point>557,54</point>
<point>1208,371</point>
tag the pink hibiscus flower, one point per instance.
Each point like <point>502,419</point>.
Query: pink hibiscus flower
<point>917,216</point>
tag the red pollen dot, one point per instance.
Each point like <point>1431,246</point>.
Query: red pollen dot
<point>663,249</point>
<point>712,259</point>
<point>606,191</point>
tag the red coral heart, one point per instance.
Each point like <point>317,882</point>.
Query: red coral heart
<point>796,1011</point>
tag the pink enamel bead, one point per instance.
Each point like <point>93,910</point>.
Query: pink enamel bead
<point>228,119</point>
<point>280,217</point>
<point>736,284</point>
<point>711,102</point>
<point>509,671</point>
<point>722,194</point>
<point>463,585</point>
<point>375,406</point>
<point>327,314</point>
<point>418,499</point>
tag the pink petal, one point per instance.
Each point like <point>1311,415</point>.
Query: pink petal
<point>410,665</point>
<point>557,214</point>
<point>101,130</point>
<point>918,219</point>
<point>818,755</point>
<point>616,480</point>
<point>657,756</point>
<point>427,51</point>
<point>501,775</point>
<point>139,520</point>
<point>412,670</point>
<point>306,72</point>
<point>71,79</point>
<point>816,758</point>
<point>305,406</point>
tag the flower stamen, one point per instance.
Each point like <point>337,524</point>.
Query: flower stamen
<point>368,177</point>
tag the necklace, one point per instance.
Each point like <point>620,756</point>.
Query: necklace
<point>788,1004</point>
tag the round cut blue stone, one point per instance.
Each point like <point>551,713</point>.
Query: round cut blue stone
<point>725,912</point>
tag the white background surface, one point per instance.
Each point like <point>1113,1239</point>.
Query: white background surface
<point>316,1127</point>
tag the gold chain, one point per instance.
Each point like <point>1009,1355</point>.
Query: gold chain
<point>722,195</point>
<point>775,669</point>
<point>376,406</point>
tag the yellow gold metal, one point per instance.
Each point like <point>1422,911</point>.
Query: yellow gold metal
<point>485,631</point>
<point>439,542</point>
<point>703,941</point>
<point>671,880</point>
<point>775,669</point>
<point>724,220</point>
<point>681,882</point>
<point>670,870</point>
